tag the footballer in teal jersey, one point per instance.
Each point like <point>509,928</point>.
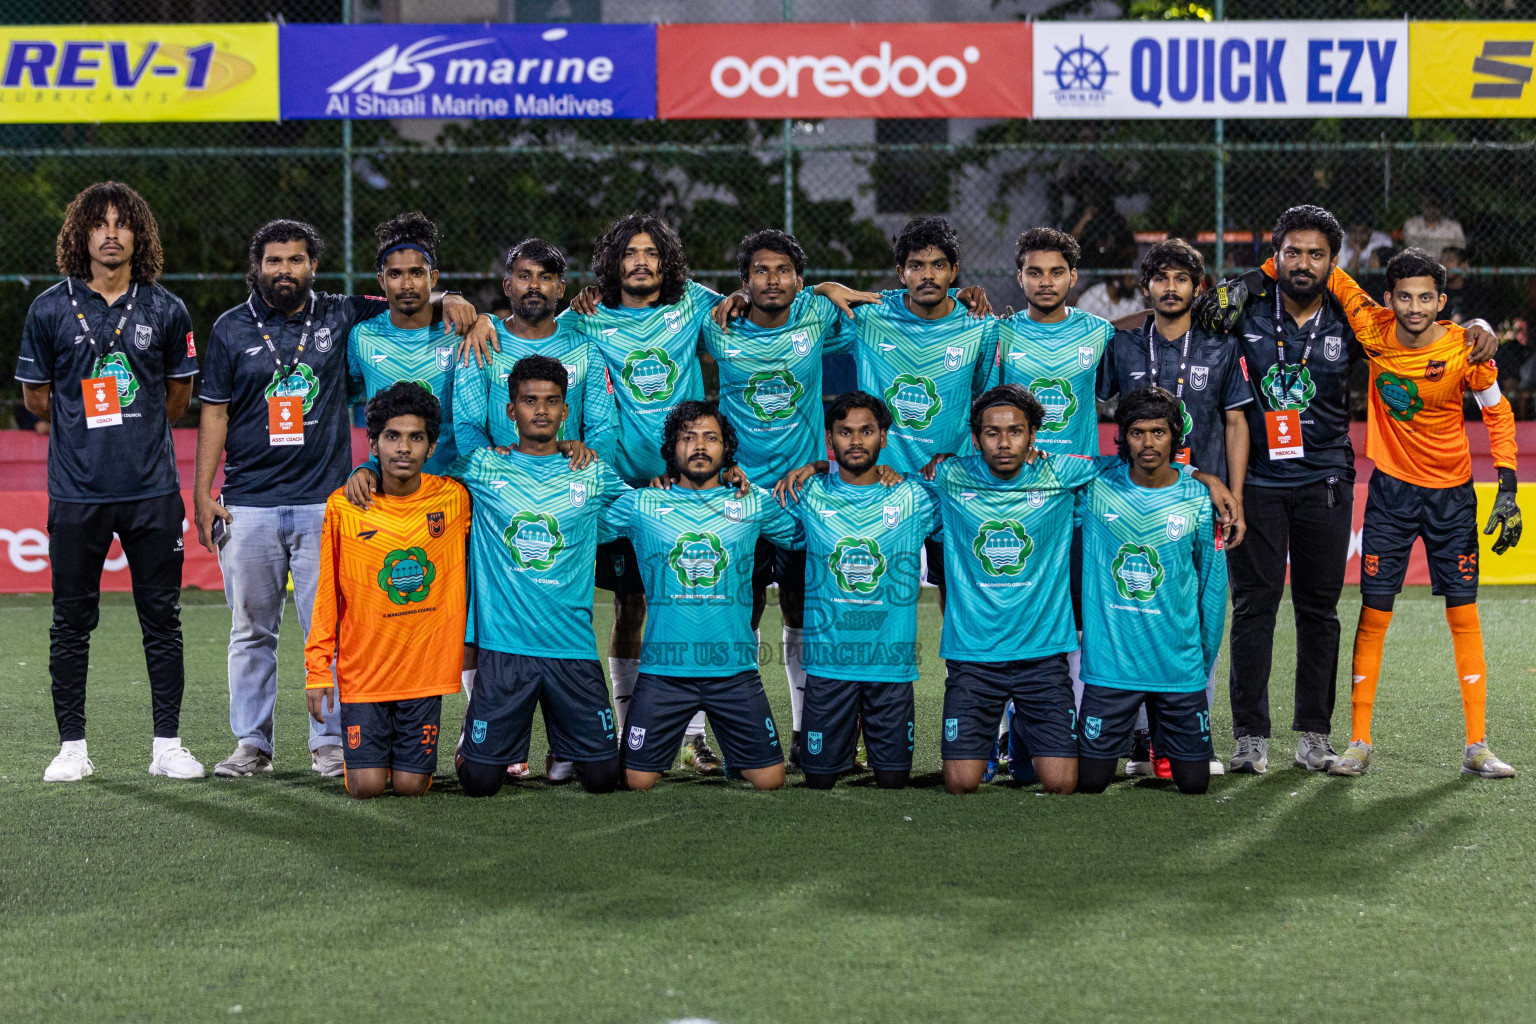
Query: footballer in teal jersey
<point>534,535</point>
<point>534,283</point>
<point>695,542</point>
<point>1154,600</point>
<point>400,344</point>
<point>863,545</point>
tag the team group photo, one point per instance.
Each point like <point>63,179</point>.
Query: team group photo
<point>706,592</point>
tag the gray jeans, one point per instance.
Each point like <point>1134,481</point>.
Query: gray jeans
<point>265,545</point>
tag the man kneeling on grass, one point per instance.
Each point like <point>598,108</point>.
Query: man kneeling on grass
<point>390,608</point>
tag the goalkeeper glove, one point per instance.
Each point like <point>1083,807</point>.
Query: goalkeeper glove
<point>1217,309</point>
<point>1505,515</point>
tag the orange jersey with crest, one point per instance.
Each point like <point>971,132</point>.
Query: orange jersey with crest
<point>1417,430</point>
<point>391,603</point>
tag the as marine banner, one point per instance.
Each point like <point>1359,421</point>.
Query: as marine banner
<point>91,73</point>
<point>1472,69</point>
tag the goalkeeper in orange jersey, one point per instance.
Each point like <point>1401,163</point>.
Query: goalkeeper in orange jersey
<point>1422,486</point>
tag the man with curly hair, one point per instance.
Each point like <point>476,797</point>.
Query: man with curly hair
<point>119,348</point>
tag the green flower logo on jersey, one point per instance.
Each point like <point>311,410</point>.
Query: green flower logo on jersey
<point>424,384</point>
<point>1188,426</point>
<point>407,576</point>
<point>1060,401</point>
<point>534,540</point>
<point>1137,571</point>
<point>858,564</point>
<point>773,394</point>
<point>1400,395</point>
<point>301,382</point>
<point>1297,396</point>
<point>115,365</point>
<point>698,559</point>
<point>1002,547</point>
<point>650,374</point>
<point>915,400</point>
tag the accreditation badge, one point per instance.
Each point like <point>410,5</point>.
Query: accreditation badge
<point>102,406</point>
<point>1284,429</point>
<point>285,419</point>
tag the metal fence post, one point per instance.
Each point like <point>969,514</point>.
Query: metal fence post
<point>789,150</point>
<point>1221,177</point>
<point>346,183</point>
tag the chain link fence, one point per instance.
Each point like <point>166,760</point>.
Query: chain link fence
<point>842,186</point>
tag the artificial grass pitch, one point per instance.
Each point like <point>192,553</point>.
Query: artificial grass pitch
<point>1405,895</point>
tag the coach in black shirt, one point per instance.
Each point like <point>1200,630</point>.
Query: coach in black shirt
<point>275,408</point>
<point>107,358</point>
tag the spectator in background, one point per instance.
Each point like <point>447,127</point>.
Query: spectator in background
<point>1465,297</point>
<point>1361,242</point>
<point>1115,296</point>
<point>1431,230</point>
<point>1098,227</point>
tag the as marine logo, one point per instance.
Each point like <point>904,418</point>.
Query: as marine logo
<point>1137,572</point>
<point>698,559</point>
<point>407,576</point>
<point>773,394</point>
<point>1400,395</point>
<point>1002,546</point>
<point>115,365</point>
<point>915,400</point>
<point>300,383</point>
<point>1297,393</point>
<point>1058,398</point>
<point>534,540</point>
<point>650,374</point>
<point>857,564</point>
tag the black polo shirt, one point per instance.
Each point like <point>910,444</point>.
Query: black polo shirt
<point>135,460</point>
<point>241,371</point>
<point>1214,382</point>
<point>1320,389</point>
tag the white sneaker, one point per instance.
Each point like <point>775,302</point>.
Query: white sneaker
<point>176,763</point>
<point>69,766</point>
<point>559,771</point>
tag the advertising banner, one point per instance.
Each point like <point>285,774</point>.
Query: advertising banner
<point>1472,69</point>
<point>473,71</point>
<point>92,73</point>
<point>1236,69</point>
<point>954,69</point>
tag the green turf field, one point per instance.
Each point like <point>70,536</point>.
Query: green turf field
<point>1406,895</point>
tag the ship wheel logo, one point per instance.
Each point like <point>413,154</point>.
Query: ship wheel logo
<point>1081,71</point>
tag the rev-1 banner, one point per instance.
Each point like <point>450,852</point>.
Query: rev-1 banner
<point>468,71</point>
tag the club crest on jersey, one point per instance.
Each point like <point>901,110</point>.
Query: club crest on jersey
<point>674,320</point>
<point>1058,398</point>
<point>1333,348</point>
<point>477,731</point>
<point>813,742</point>
<point>141,333</point>
<point>534,540</point>
<point>636,737</point>
<point>650,374</point>
<point>1092,727</point>
<point>733,510</point>
<point>773,394</point>
<point>1035,498</point>
<point>1434,369</point>
<point>578,494</point>
<point>1199,377</point>
<point>800,341</point>
<point>1085,356</point>
<point>354,736</point>
<point>698,559</point>
<point>302,383</point>
<point>890,515</point>
<point>407,576</point>
<point>570,377</point>
<point>115,365</point>
<point>322,339</point>
<point>1137,572</point>
<point>857,564</point>
<point>444,357</point>
<point>435,524</point>
<point>952,356</point>
<point>1002,547</point>
<point>951,729</point>
<point>914,400</point>
<point>1176,525</point>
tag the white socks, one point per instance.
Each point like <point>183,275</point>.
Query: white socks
<point>467,681</point>
<point>1075,669</point>
<point>624,672</point>
<point>793,640</point>
<point>696,726</point>
<point>162,743</point>
<point>78,747</point>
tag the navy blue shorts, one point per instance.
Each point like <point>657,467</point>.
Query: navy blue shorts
<point>1181,723</point>
<point>618,569</point>
<point>933,551</point>
<point>571,692</point>
<point>1397,513</point>
<point>830,724</point>
<point>773,564</point>
<point>738,711</point>
<point>976,692</point>
<point>396,734</point>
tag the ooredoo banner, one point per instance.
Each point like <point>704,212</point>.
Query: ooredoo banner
<point>1238,69</point>
<point>956,69</point>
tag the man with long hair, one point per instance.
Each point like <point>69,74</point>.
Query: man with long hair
<point>119,347</point>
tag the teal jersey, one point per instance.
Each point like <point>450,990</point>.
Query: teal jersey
<point>380,354</point>
<point>863,547</point>
<point>1154,584</point>
<point>926,371</point>
<point>532,544</point>
<point>770,385</point>
<point>480,392</point>
<point>695,550</point>
<point>652,356</point>
<point>1007,557</point>
<point>1059,362</point>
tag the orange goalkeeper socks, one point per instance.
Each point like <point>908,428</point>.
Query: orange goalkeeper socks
<point>1370,635</point>
<point>1471,669</point>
